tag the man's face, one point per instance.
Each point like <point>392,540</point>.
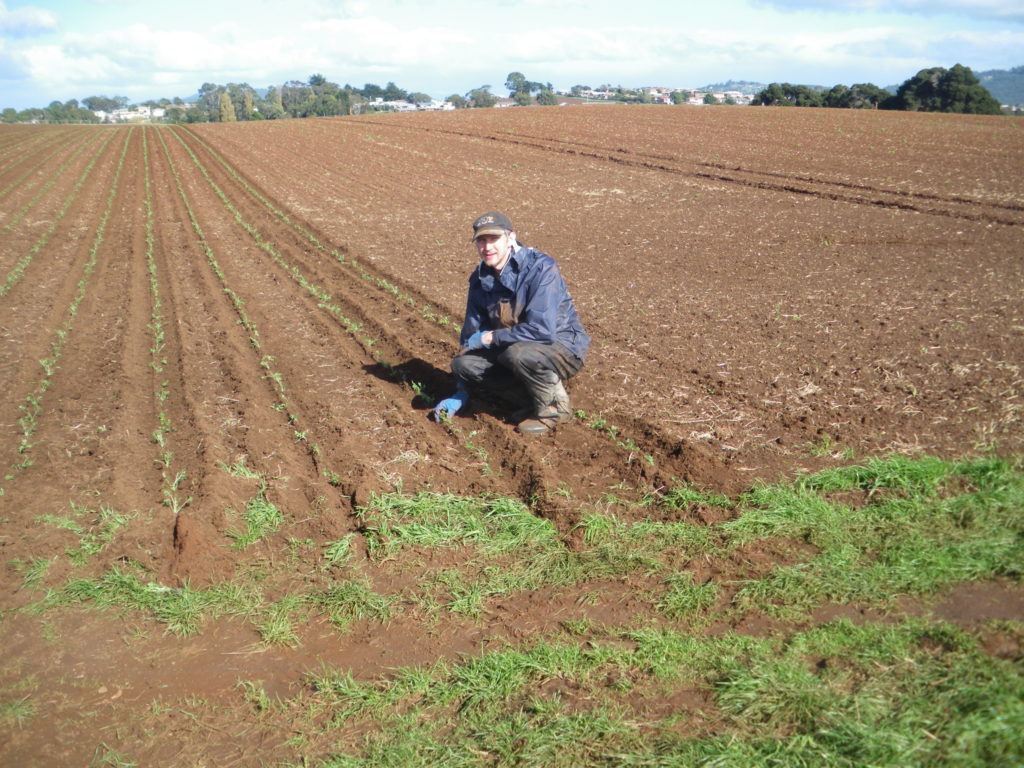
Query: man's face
<point>494,250</point>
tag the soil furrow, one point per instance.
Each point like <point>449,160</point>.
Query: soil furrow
<point>36,309</point>
<point>29,142</point>
<point>69,427</point>
<point>260,427</point>
<point>340,380</point>
<point>963,208</point>
<point>46,184</point>
<point>37,166</point>
<point>534,481</point>
<point>19,255</point>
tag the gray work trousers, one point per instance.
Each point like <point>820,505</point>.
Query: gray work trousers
<point>524,372</point>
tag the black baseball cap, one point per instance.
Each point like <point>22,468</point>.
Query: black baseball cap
<point>491,223</point>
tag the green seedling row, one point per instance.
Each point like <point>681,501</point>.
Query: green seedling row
<point>19,269</point>
<point>20,214</point>
<point>33,404</point>
<point>24,152</point>
<point>36,166</point>
<point>171,481</point>
<point>266,361</point>
<point>324,299</point>
<point>425,310</point>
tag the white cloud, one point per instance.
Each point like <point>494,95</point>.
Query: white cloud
<point>26,21</point>
<point>999,10</point>
<point>347,43</point>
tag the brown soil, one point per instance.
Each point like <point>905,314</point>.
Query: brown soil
<point>768,291</point>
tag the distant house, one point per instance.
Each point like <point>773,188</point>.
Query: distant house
<point>133,115</point>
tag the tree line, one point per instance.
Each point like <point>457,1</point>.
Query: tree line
<point>936,89</point>
<point>931,90</point>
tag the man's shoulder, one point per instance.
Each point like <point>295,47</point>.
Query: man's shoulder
<point>532,258</point>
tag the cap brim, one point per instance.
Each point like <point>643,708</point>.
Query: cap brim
<point>489,231</point>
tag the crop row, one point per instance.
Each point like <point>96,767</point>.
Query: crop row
<point>43,189</point>
<point>325,301</point>
<point>33,403</point>
<point>18,270</point>
<point>276,380</point>
<point>36,164</point>
<point>426,309</point>
<point>170,481</point>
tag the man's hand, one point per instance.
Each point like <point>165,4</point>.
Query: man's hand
<point>476,341</point>
<point>450,406</point>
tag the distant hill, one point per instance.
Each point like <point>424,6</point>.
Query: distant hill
<point>743,86</point>
<point>1007,85</point>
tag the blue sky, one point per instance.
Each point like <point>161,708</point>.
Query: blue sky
<point>58,49</point>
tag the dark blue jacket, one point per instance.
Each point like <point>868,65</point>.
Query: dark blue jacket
<point>537,304</point>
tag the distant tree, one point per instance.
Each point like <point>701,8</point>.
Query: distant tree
<point>457,101</point>
<point>371,92</point>
<point>393,93</point>
<point>317,80</point>
<point>481,97</point>
<point>578,90</point>
<point>709,98</point>
<point>547,98</point>
<point>866,96</point>
<point>516,82</point>
<point>522,98</point>
<point>944,90</point>
<point>176,114</point>
<point>10,115</point>
<point>729,100</point>
<point>294,95</point>
<point>104,103</point>
<point>788,95</point>
<point>420,98</point>
<point>680,97</point>
<point>838,97</point>
<point>271,107</point>
<point>248,106</point>
<point>227,109</point>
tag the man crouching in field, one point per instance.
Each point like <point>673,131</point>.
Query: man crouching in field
<point>522,338</point>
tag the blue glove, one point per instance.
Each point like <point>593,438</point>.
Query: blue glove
<point>450,405</point>
<point>476,341</point>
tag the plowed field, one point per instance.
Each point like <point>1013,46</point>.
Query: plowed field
<point>219,345</point>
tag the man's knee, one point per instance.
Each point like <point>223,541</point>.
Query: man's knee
<point>526,356</point>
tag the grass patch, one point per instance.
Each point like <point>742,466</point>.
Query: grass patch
<point>181,609</point>
<point>95,529</point>
<point>927,524</point>
<point>899,695</point>
<point>261,517</point>
<point>494,525</point>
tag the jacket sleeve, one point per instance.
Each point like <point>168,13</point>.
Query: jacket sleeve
<point>475,316</point>
<point>539,318</point>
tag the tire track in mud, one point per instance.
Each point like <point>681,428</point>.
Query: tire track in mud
<point>577,458</point>
<point>69,425</point>
<point>952,206</point>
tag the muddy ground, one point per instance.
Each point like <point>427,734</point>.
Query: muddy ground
<point>769,291</point>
